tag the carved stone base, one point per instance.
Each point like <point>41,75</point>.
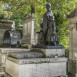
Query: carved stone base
<point>37,63</point>
<point>36,67</point>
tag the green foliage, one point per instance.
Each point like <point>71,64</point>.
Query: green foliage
<point>16,9</point>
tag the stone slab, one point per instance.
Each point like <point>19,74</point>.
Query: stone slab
<point>54,52</point>
<point>46,69</point>
<point>37,60</point>
<point>51,52</point>
<point>24,55</point>
<point>4,52</point>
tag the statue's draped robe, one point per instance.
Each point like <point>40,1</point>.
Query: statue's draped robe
<point>48,27</point>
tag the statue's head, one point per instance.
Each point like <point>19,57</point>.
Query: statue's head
<point>48,6</point>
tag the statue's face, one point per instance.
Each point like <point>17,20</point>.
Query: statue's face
<point>48,6</point>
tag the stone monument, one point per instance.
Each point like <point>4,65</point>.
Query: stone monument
<point>72,17</point>
<point>28,30</point>
<point>44,61</point>
<point>47,34</point>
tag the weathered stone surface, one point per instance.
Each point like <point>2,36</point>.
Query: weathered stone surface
<point>1,35</point>
<point>28,30</point>
<point>24,55</point>
<point>54,52</point>
<point>72,67</point>
<point>5,25</point>
<point>4,52</point>
<point>72,42</point>
<point>37,60</point>
<point>50,68</point>
<point>35,53</point>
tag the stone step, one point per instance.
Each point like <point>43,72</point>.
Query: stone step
<point>24,55</point>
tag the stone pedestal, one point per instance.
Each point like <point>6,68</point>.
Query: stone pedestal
<point>72,42</point>
<point>41,63</point>
<point>52,51</point>
<point>37,67</point>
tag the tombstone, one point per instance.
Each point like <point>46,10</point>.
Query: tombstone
<point>5,25</point>
<point>28,30</point>
<point>72,17</point>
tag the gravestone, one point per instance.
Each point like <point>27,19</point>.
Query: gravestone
<point>5,25</point>
<point>28,29</point>
<point>72,17</point>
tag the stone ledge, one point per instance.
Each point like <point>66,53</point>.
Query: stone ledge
<point>54,52</point>
<point>6,50</point>
<point>51,52</point>
<point>38,53</point>
<point>24,55</point>
<point>55,47</point>
<point>37,60</point>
